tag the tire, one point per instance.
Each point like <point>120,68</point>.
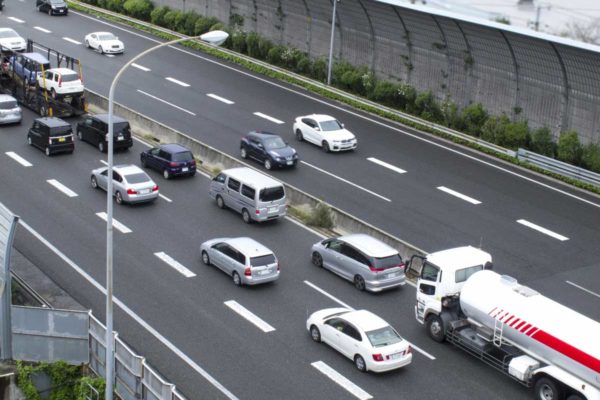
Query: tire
<point>359,282</point>
<point>325,146</point>
<point>360,363</point>
<point>101,147</point>
<point>299,136</point>
<point>87,44</point>
<point>246,216</point>
<point>48,152</point>
<point>94,182</point>
<point>574,397</point>
<point>243,153</point>
<point>317,259</point>
<point>220,202</point>
<point>100,49</point>
<point>166,174</point>
<point>50,11</point>
<point>237,281</point>
<point>119,197</point>
<point>268,164</point>
<point>43,111</point>
<point>53,93</point>
<point>205,258</point>
<point>79,135</point>
<point>143,161</point>
<point>547,389</point>
<point>315,334</point>
<point>29,142</point>
<point>435,328</point>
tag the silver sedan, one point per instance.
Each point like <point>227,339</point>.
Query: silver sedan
<point>130,183</point>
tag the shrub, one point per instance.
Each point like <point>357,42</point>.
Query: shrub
<point>303,64</point>
<point>264,45</point>
<point>174,20</point>
<point>274,55</point>
<point>321,217</point>
<point>157,16</point>
<point>82,391</point>
<point>338,69</point>
<point>542,142</point>
<point>427,108</point>
<point>474,116</point>
<point>385,92</point>
<point>204,24</point>
<point>569,148</point>
<point>288,57</point>
<point>407,96</point>
<point>590,157</point>
<point>189,23</point>
<point>114,5</point>
<point>514,136</point>
<point>319,69</point>
<point>452,118</point>
<point>238,42</point>
<point>140,9</point>
<point>252,45</point>
<point>494,128</point>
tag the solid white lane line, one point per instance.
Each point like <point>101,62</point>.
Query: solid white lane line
<point>178,82</point>
<point>345,181</point>
<point>247,314</point>
<point>341,380</point>
<point>133,315</point>
<point>267,117</point>
<point>62,187</point>
<point>386,165</point>
<point>116,224</point>
<point>18,159</point>
<point>174,264</point>
<point>219,98</point>
<point>584,289</point>
<point>165,198</point>
<point>68,39</point>
<point>39,28</point>
<point>166,102</point>
<point>20,21</point>
<point>138,66</point>
<point>459,195</point>
<point>301,225</point>
<point>542,230</point>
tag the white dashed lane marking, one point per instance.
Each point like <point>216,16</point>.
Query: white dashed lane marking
<point>386,165</point>
<point>542,230</point>
<point>269,118</point>
<point>174,264</point>
<point>20,21</point>
<point>165,198</point>
<point>219,98</point>
<point>62,187</point>
<point>459,195</point>
<point>39,28</point>
<point>180,83</point>
<point>247,314</point>
<point>68,39</point>
<point>18,159</point>
<point>140,67</point>
<point>584,289</point>
<point>166,102</point>
<point>341,380</point>
<point>116,224</point>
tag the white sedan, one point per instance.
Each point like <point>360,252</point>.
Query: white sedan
<point>324,131</point>
<point>104,42</point>
<point>11,40</point>
<point>361,336</point>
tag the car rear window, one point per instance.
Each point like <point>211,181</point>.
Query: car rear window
<point>383,337</point>
<point>137,178</point>
<point>387,262</point>
<point>262,260</point>
<point>60,130</point>
<point>271,194</point>
<point>183,156</point>
<point>8,105</point>
<point>69,77</point>
<point>120,127</point>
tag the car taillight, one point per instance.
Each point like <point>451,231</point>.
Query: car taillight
<point>377,357</point>
<point>193,162</point>
<point>131,191</point>
<point>277,265</point>
<point>173,164</point>
<point>155,188</point>
<point>248,271</point>
<point>375,269</point>
<point>401,265</point>
<point>257,211</point>
<point>408,350</point>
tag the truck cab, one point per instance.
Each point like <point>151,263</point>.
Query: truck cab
<point>440,278</point>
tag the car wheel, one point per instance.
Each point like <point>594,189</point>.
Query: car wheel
<point>100,49</point>
<point>119,198</point>
<point>243,153</point>
<point>50,11</point>
<point>48,151</point>
<point>435,328</point>
<point>237,281</point>
<point>87,44</point>
<point>268,164</point>
<point>574,397</point>
<point>316,259</point>
<point>53,93</point>
<point>101,147</point>
<point>94,182</point>
<point>166,174</point>
<point>143,161</point>
<point>246,216</point>
<point>29,142</point>
<point>359,282</point>
<point>79,135</point>
<point>325,146</point>
<point>299,136</point>
<point>315,334</point>
<point>360,364</point>
<point>220,202</point>
<point>205,258</point>
<point>43,111</point>
<point>547,389</point>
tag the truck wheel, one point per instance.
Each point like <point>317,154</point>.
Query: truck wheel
<point>548,389</point>
<point>246,216</point>
<point>435,327</point>
<point>574,397</point>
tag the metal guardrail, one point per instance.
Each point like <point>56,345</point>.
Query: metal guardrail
<point>559,167</point>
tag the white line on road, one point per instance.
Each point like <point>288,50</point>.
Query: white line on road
<point>20,21</point>
<point>109,55</point>
<point>18,159</point>
<point>166,102</point>
<point>386,165</point>
<point>133,315</point>
<point>219,98</point>
<point>267,117</point>
<point>341,380</point>
<point>165,198</point>
<point>178,82</point>
<point>346,181</point>
<point>247,314</point>
<point>138,66</point>
<point>39,28</point>
<point>177,266</point>
<point>542,230</point>
<point>301,225</point>
<point>584,289</point>
<point>459,195</point>
<point>68,39</point>
<point>104,162</point>
<point>62,187</point>
<point>116,224</point>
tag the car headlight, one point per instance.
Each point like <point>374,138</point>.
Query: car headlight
<point>53,7</point>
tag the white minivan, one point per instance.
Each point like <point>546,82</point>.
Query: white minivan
<point>256,196</point>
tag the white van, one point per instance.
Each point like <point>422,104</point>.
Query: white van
<point>256,196</point>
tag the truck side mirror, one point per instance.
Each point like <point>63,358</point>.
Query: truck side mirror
<point>488,265</point>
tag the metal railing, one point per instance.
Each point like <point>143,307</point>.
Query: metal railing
<point>559,167</point>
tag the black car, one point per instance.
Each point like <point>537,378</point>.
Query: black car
<point>94,130</point>
<point>170,159</point>
<point>269,149</point>
<point>52,135</point>
<point>52,7</point>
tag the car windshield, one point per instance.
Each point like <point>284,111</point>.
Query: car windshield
<point>8,105</point>
<point>57,2</point>
<point>183,156</point>
<point>274,143</point>
<point>69,77</point>
<point>383,337</point>
<point>262,260</point>
<point>271,194</point>
<point>137,178</point>
<point>331,125</point>
<point>9,33</point>
<point>107,36</point>
<point>387,262</point>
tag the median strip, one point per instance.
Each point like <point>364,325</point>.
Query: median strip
<point>248,315</point>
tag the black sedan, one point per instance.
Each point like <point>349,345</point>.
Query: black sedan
<point>269,149</point>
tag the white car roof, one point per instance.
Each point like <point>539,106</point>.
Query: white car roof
<point>9,30</point>
<point>102,33</point>
<point>458,258</point>
<point>320,117</point>
<point>369,245</point>
<point>364,320</point>
<point>6,97</point>
<point>248,246</point>
<point>62,71</point>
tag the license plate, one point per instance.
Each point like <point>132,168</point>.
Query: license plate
<point>393,274</point>
<point>396,356</point>
<point>273,209</point>
<point>184,169</point>
<point>144,191</point>
<point>290,163</point>
<point>263,272</point>
<point>62,139</point>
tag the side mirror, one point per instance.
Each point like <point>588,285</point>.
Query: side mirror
<point>260,145</point>
<point>488,265</point>
<point>317,128</point>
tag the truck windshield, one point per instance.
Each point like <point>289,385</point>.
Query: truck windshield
<point>383,336</point>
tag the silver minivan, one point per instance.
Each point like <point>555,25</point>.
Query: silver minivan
<point>367,262</point>
<point>244,259</point>
<point>256,196</point>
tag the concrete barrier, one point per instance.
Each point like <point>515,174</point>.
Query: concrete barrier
<point>212,159</point>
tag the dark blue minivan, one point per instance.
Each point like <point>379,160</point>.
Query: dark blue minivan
<point>170,159</point>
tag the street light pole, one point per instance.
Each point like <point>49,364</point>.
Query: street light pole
<point>331,42</point>
<point>215,38</point>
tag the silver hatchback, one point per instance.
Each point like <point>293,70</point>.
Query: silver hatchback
<point>10,112</point>
<point>244,259</point>
<point>367,262</point>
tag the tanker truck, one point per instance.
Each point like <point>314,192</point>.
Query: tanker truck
<point>514,329</point>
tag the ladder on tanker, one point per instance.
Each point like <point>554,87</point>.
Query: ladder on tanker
<point>498,333</point>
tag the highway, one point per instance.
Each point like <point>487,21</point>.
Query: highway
<point>191,312</point>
